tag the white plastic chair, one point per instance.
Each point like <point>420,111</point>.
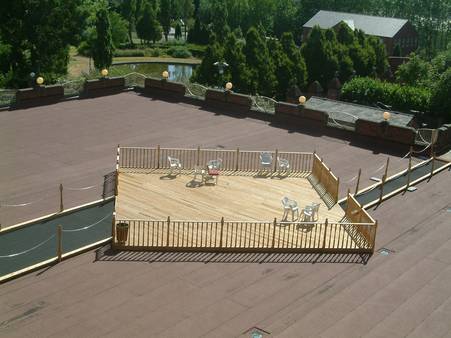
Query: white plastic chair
<point>283,165</point>
<point>310,212</point>
<point>174,165</point>
<point>265,160</point>
<point>199,171</point>
<point>290,205</point>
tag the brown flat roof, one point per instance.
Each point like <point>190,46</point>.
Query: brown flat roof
<point>404,293</point>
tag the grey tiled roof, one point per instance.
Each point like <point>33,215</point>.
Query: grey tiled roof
<point>372,25</point>
<point>348,112</point>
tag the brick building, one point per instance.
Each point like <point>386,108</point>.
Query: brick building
<point>391,31</point>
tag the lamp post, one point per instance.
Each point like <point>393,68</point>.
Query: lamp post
<point>302,100</point>
<point>221,66</point>
<point>386,115</point>
<point>39,80</point>
<point>165,75</point>
<point>229,86</point>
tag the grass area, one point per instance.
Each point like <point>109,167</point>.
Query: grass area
<point>189,61</point>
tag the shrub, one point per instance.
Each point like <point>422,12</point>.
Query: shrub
<point>156,52</point>
<point>369,91</point>
<point>128,52</point>
<point>179,52</point>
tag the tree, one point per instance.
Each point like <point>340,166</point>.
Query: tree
<point>129,13</point>
<point>441,98</point>
<point>178,31</point>
<point>319,56</point>
<point>148,28</point>
<point>259,63</point>
<point>118,29</point>
<point>414,73</point>
<point>234,56</point>
<point>37,35</point>
<point>207,73</point>
<point>165,17</point>
<point>187,13</point>
<point>293,53</point>
<point>284,17</point>
<point>103,45</point>
<point>283,69</point>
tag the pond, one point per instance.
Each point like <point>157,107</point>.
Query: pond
<point>179,72</point>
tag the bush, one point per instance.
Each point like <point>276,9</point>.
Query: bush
<point>179,52</point>
<point>368,91</point>
<point>156,52</point>
<point>128,52</point>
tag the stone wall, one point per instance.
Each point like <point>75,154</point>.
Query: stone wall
<point>302,114</point>
<point>40,95</point>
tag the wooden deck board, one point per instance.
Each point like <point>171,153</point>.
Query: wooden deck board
<point>248,204</point>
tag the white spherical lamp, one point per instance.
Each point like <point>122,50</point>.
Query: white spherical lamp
<point>302,99</point>
<point>165,74</point>
<point>40,80</point>
<point>229,85</point>
<point>386,116</point>
<point>104,72</point>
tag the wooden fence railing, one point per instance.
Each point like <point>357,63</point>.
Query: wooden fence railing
<point>223,235</point>
<point>232,160</point>
<point>325,177</point>
<point>355,213</point>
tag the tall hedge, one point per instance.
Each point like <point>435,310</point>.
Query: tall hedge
<point>368,91</point>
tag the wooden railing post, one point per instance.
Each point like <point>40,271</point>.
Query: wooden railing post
<point>325,231</point>
<point>409,169</point>
<point>358,182</point>
<point>167,232</point>
<point>274,233</point>
<point>59,243</point>
<point>118,152</point>
<point>113,229</point>
<point>61,198</point>
<point>386,167</point>
<point>338,187</point>
<point>237,160</point>
<point>382,188</point>
<point>158,157</point>
<point>275,160</point>
<point>432,165</point>
<point>222,228</point>
<point>198,156</point>
<point>373,244</point>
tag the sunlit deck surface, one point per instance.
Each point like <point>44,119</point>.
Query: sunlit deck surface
<point>239,197</point>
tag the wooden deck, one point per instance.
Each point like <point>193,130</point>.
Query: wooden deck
<point>239,213</point>
<point>155,196</point>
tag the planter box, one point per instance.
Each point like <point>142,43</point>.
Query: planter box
<point>102,87</point>
<point>41,95</point>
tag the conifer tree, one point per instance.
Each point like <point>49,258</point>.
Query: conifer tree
<point>103,45</point>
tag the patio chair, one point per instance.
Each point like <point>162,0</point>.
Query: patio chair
<point>265,160</point>
<point>174,165</point>
<point>310,212</point>
<point>199,171</point>
<point>283,165</point>
<point>215,164</point>
<point>290,205</point>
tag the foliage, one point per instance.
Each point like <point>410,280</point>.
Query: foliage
<point>148,28</point>
<point>207,72</point>
<point>237,72</point>
<point>35,36</point>
<point>118,29</point>
<point>178,31</point>
<point>128,11</point>
<point>414,72</point>
<point>259,63</point>
<point>128,52</point>
<point>369,91</point>
<point>441,97</point>
<point>102,51</point>
<point>165,17</point>
<point>179,52</point>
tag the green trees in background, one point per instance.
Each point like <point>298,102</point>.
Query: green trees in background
<point>35,37</point>
<point>165,17</point>
<point>148,27</point>
<point>103,43</point>
<point>128,11</point>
